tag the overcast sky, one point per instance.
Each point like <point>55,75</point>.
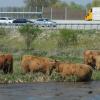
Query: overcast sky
<point>5,3</point>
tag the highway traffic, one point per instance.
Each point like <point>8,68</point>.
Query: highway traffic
<point>48,24</point>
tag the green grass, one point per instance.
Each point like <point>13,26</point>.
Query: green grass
<point>46,45</point>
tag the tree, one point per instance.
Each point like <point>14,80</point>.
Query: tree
<point>73,5</point>
<point>96,3</point>
<point>32,4</point>
<point>88,6</point>
<point>29,33</point>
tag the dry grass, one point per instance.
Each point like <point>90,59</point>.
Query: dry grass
<point>46,45</point>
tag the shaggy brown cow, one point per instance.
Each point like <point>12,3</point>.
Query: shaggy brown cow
<point>97,58</point>
<point>37,64</point>
<point>82,71</point>
<point>8,66</point>
<point>25,63</point>
<point>2,61</point>
<point>6,63</point>
<point>89,57</point>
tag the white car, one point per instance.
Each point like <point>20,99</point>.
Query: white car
<point>45,22</point>
<point>6,20</point>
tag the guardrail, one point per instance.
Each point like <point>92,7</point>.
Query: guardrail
<point>76,26</point>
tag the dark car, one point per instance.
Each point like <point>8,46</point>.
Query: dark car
<point>21,21</point>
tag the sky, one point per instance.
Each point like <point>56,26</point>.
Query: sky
<point>18,3</point>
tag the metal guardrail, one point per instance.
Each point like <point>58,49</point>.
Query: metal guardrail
<point>76,26</point>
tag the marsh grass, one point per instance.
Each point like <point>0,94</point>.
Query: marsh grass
<point>46,44</point>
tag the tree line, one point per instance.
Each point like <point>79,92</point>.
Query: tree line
<point>32,4</point>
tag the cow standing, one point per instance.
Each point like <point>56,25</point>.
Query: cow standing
<point>82,71</point>
<point>6,63</point>
<point>37,64</point>
<point>90,57</point>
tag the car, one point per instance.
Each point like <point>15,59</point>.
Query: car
<point>6,20</point>
<point>21,21</point>
<point>45,22</point>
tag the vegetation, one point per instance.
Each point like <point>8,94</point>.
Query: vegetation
<point>67,37</point>
<point>46,44</point>
<point>29,32</point>
<point>96,3</point>
<point>39,3</point>
<point>32,4</point>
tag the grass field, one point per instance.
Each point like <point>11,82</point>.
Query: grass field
<point>46,44</point>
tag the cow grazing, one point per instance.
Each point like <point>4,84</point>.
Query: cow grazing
<point>82,71</point>
<point>25,63</point>
<point>89,57</point>
<point>37,64</point>
<point>8,66</point>
<point>6,63</point>
<point>97,58</point>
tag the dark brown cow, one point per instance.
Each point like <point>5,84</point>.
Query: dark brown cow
<point>8,68</point>
<point>2,61</point>
<point>89,57</point>
<point>82,71</point>
<point>6,63</point>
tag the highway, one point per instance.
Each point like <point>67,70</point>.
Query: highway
<point>76,22</point>
<point>68,24</point>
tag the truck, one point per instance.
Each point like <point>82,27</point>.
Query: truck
<point>93,14</point>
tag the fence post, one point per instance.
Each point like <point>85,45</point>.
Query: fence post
<point>65,13</point>
<point>42,11</point>
<point>36,9</point>
<point>51,13</point>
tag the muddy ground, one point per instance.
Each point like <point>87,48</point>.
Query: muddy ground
<point>51,91</point>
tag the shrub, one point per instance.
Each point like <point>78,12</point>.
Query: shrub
<point>67,37</point>
<point>29,32</point>
<point>2,31</point>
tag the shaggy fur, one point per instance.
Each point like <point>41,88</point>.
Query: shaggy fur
<point>97,58</point>
<point>82,71</point>
<point>89,57</point>
<point>37,64</point>
<point>6,63</point>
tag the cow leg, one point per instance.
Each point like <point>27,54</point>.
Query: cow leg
<point>10,67</point>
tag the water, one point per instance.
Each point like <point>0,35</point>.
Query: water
<point>51,91</point>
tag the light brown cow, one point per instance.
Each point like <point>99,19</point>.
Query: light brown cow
<point>82,71</point>
<point>89,57</point>
<point>37,64</point>
<point>97,58</point>
<point>25,63</point>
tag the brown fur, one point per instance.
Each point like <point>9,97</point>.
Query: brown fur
<point>6,63</point>
<point>37,64</point>
<point>25,63</point>
<point>89,57</point>
<point>82,71</point>
<point>97,62</point>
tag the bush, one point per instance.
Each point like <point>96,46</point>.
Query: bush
<point>67,37</point>
<point>29,32</point>
<point>2,31</point>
